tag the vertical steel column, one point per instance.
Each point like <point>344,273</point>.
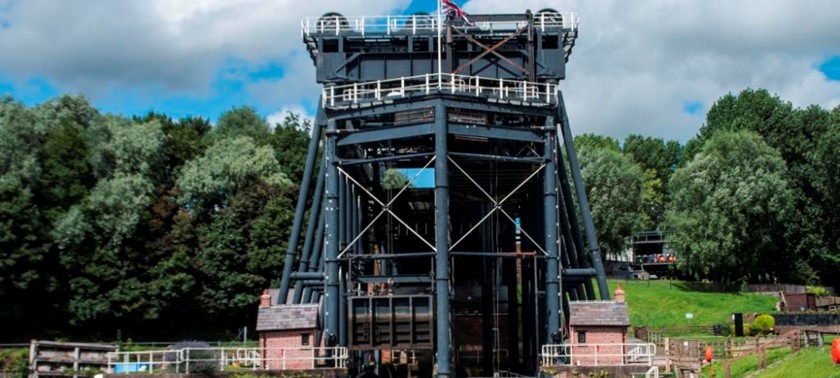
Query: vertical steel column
<point>332,226</point>
<point>315,258</point>
<point>311,229</point>
<point>442,241</point>
<point>580,188</point>
<point>291,250</point>
<point>571,219</point>
<point>552,286</point>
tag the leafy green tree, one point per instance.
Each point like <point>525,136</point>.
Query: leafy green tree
<point>728,210</point>
<point>394,179</point>
<point>595,141</point>
<point>242,122</point>
<point>658,159</point>
<point>290,140</point>
<point>827,183</point>
<point>614,186</point>
<point>227,166</point>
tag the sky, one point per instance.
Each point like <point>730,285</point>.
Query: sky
<point>650,67</point>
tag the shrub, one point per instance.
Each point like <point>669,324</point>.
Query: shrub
<point>14,362</point>
<point>762,325</point>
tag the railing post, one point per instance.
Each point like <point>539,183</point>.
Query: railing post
<point>378,90</point>
<point>402,86</point>
<point>151,362</point>
<point>388,25</point>
<point>427,83</point>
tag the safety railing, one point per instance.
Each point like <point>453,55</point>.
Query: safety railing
<point>335,24</point>
<point>379,90</point>
<point>598,354</point>
<point>194,359</point>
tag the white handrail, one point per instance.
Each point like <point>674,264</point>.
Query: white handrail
<point>378,90</point>
<point>598,354</point>
<point>181,360</point>
<point>422,24</point>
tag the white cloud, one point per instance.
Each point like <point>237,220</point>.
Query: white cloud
<point>177,46</point>
<point>635,66</point>
<point>637,63</point>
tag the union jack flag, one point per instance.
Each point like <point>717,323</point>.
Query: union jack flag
<point>452,9</point>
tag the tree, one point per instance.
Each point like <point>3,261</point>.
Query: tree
<point>225,167</point>
<point>729,205</point>
<point>614,186</point>
<point>594,141</point>
<point>242,121</point>
<point>657,160</point>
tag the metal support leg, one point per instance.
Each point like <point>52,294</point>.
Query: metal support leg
<point>311,229</point>
<point>332,227</point>
<point>585,213</point>
<point>442,242</point>
<point>291,250</point>
<point>552,286</point>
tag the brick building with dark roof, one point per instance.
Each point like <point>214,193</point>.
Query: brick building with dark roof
<point>287,334</point>
<point>598,331</point>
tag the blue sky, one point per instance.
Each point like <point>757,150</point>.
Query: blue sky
<point>646,66</point>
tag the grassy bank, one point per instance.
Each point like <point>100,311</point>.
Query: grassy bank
<point>812,362</point>
<point>665,303</point>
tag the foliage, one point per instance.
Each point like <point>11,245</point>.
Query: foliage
<point>125,224</point>
<point>14,362</point>
<point>729,208</point>
<point>762,325</point>
<point>394,179</point>
<point>614,187</point>
<point>657,159</point>
<point>594,141</point>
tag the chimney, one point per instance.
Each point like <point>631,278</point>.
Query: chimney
<point>265,299</point>
<point>619,295</point>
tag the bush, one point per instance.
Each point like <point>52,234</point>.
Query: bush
<point>762,325</point>
<point>14,362</point>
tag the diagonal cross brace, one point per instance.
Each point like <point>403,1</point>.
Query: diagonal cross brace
<point>386,208</point>
<point>497,205</point>
<point>490,50</point>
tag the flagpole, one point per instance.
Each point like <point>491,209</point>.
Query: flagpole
<point>440,46</point>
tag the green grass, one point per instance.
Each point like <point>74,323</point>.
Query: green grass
<point>747,364</point>
<point>665,303</point>
<point>811,362</point>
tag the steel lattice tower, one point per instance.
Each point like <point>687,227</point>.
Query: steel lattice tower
<point>444,219</point>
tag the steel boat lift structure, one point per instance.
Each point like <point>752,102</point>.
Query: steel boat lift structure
<point>446,212</point>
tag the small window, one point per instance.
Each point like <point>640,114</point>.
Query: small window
<point>304,339</point>
<point>582,337</point>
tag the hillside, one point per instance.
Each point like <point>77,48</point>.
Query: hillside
<point>665,303</point>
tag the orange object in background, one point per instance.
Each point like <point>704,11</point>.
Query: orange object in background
<point>835,351</point>
<point>709,354</point>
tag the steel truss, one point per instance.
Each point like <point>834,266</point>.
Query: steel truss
<point>497,228</point>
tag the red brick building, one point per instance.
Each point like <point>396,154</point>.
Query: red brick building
<point>598,331</point>
<point>287,334</point>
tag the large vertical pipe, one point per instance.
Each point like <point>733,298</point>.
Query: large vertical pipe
<point>315,258</point>
<point>570,216</point>
<point>580,188</point>
<point>311,229</point>
<point>552,286</point>
<point>331,244</point>
<point>487,293</point>
<point>299,212</point>
<point>442,241</point>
